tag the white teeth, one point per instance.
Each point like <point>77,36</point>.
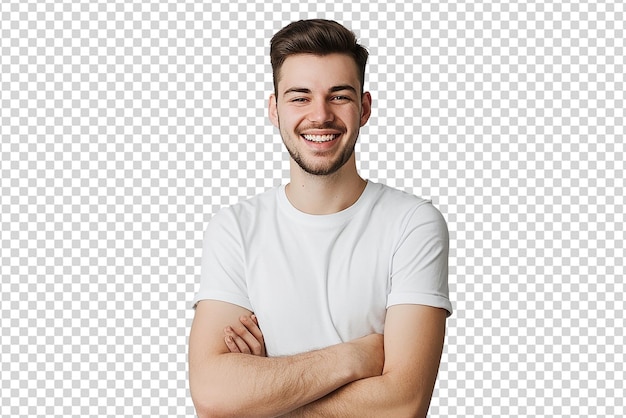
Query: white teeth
<point>319,138</point>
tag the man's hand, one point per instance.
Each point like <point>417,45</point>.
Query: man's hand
<point>370,352</point>
<point>246,338</point>
<point>230,384</point>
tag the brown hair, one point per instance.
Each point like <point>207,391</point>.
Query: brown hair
<point>319,37</point>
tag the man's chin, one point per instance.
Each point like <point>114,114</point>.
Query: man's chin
<point>322,170</point>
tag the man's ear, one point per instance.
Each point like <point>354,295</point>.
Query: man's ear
<point>366,107</point>
<point>273,110</point>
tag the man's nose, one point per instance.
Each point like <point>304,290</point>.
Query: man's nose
<point>321,112</point>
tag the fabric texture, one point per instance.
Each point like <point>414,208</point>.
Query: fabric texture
<point>317,280</point>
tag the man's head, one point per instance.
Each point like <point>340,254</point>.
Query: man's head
<point>317,37</point>
<point>319,104</point>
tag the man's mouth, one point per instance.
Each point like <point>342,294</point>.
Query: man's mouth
<point>320,138</point>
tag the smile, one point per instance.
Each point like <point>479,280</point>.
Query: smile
<point>320,138</point>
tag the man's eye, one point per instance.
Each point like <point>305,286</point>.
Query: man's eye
<point>341,98</point>
<point>298,100</point>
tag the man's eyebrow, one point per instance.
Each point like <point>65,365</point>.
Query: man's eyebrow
<point>341,88</point>
<point>298,90</point>
<point>334,89</point>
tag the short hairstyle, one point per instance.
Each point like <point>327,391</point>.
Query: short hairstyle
<point>319,37</point>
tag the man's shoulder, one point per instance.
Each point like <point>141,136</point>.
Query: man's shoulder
<point>248,209</point>
<point>262,200</point>
<point>404,207</point>
<point>397,200</point>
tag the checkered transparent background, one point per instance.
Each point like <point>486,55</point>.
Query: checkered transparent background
<point>125,125</point>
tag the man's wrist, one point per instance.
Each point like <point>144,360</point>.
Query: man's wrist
<point>365,356</point>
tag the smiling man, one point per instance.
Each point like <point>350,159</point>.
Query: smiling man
<point>327,296</point>
<point>321,110</point>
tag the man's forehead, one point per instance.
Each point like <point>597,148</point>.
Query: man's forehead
<point>315,72</point>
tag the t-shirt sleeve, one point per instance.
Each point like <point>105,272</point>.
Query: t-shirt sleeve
<point>222,274</point>
<point>419,271</point>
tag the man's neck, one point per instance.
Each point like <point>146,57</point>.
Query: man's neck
<point>323,195</point>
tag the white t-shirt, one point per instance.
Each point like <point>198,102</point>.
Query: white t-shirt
<point>318,280</point>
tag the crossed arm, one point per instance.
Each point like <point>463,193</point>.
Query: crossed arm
<point>371,376</point>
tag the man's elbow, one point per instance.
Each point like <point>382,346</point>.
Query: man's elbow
<point>213,402</point>
<point>406,400</point>
<point>204,407</point>
<point>410,409</point>
<point>209,402</point>
<point>417,406</point>
<point>203,412</point>
<point>210,408</point>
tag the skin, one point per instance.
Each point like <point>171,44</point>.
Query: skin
<point>247,339</point>
<point>321,95</point>
<point>406,383</point>
<point>308,104</point>
<point>225,384</point>
<point>379,376</point>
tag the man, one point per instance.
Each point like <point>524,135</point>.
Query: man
<point>328,296</point>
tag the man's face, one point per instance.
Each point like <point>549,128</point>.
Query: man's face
<point>319,110</point>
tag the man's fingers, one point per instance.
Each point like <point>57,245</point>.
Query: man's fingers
<point>239,341</point>
<point>230,343</point>
<point>247,338</point>
<point>252,324</point>
<point>246,342</point>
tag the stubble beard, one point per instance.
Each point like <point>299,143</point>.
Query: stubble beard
<point>320,170</point>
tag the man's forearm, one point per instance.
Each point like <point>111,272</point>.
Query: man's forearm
<point>414,337</point>
<point>251,386</point>
<point>372,397</point>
